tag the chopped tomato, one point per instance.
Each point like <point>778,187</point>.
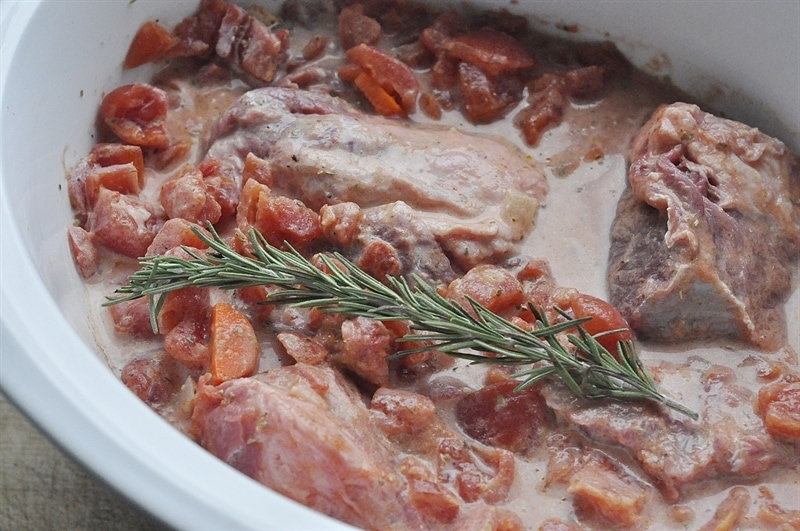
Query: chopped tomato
<point>187,342</point>
<point>282,219</point>
<point>604,318</point>
<point>779,405</point>
<point>258,169</point>
<point>123,178</point>
<point>380,260</point>
<point>135,113</point>
<point>492,51</point>
<point>357,28</point>
<point>493,287</point>
<point>83,251</point>
<point>188,197</point>
<point>113,154</point>
<point>123,223</point>
<point>150,44</point>
<point>221,186</point>
<point>447,26</point>
<point>486,99</point>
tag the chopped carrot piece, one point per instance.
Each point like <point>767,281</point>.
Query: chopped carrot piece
<point>234,348</point>
<point>383,102</point>
<point>150,44</point>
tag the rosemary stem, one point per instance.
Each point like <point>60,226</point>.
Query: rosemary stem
<point>475,333</point>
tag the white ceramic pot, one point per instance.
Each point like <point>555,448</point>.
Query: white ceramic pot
<point>59,57</point>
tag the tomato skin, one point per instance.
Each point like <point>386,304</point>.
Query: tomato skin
<point>604,317</point>
<point>135,113</point>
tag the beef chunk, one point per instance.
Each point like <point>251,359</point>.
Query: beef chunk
<point>477,196</point>
<point>305,432</point>
<point>704,239</point>
<point>729,439</point>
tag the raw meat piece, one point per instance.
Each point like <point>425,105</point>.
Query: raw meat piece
<point>477,196</point>
<point>729,439</point>
<point>704,239</point>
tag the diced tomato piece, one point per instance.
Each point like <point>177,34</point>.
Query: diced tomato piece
<point>598,488</point>
<point>730,512</point>
<point>223,187</point>
<point>482,472</point>
<point>281,219</point>
<point>535,269</point>
<point>357,28</point>
<point>315,47</point>
<point>253,193</point>
<point>231,31</point>
<point>779,405</point>
<point>180,304</point>
<point>153,380</point>
<point>396,78</point>
<point>187,342</point>
<point>485,100</point>
<point>340,222</point>
<point>234,347</point>
<point>187,197</point>
<point>114,154</point>
<point>402,412</point>
<point>430,106</point>
<point>258,169</point>
<point>426,495</point>
<point>491,51</point>
<point>494,288</point>
<point>491,415</point>
<point>245,41</point>
<point>83,251</point>
<point>254,299</point>
<point>604,318</point>
<point>174,234</point>
<point>547,100</point>
<point>302,349</point>
<point>88,175</point>
<point>123,223</point>
<point>263,51</point>
<point>446,27</point>
<point>135,113</point>
<point>445,73</point>
<point>123,178</point>
<point>197,35</point>
<point>367,344</point>
<point>380,260</point>
<point>132,318</point>
<point>150,44</point>
<point>584,83</point>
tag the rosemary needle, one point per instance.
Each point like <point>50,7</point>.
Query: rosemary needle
<point>588,369</point>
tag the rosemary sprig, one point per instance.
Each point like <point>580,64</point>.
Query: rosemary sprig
<point>590,371</point>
